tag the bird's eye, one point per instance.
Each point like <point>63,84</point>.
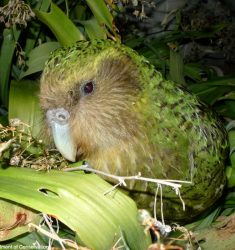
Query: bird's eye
<point>87,88</point>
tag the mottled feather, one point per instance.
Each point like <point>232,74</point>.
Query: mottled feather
<point>136,121</point>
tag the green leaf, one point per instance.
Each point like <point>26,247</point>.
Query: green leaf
<point>231,136</point>
<point>211,94</point>
<point>212,90</point>
<point>228,96</point>
<point>37,58</point>
<point>24,104</point>
<point>10,38</point>
<point>177,35</point>
<point>230,200</point>
<point>193,71</point>
<point>230,173</point>
<point>80,12</point>
<point>205,222</point>
<point>93,29</point>
<point>176,67</point>
<point>101,13</point>
<point>226,108</point>
<point>77,200</point>
<point>61,26</point>
<point>34,31</point>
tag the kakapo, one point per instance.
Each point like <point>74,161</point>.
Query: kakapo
<point>116,111</point>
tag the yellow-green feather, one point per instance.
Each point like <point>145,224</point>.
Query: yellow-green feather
<point>176,136</point>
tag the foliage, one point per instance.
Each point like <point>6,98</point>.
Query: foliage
<point>50,193</point>
<point>27,41</point>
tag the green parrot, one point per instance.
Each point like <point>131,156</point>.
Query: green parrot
<point>108,105</point>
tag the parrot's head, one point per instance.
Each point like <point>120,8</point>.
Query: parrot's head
<point>89,94</point>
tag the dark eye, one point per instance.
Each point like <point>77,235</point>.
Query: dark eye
<point>87,88</point>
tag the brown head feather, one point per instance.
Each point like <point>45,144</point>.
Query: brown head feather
<point>104,124</point>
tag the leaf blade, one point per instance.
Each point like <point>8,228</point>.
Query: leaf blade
<point>81,206</point>
<point>61,26</point>
<point>37,58</point>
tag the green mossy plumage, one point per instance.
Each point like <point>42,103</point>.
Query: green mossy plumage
<point>136,121</point>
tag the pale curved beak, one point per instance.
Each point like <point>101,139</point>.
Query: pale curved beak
<point>58,120</point>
